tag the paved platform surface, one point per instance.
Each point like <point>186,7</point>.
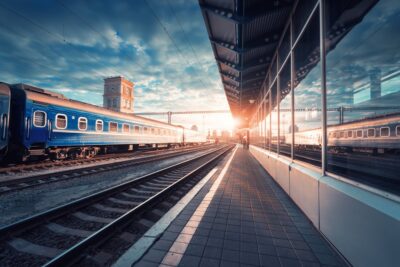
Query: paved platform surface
<point>244,219</point>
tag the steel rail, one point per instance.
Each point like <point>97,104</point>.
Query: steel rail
<point>73,254</point>
<point>88,170</point>
<point>35,220</point>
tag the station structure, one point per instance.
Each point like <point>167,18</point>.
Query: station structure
<point>315,84</point>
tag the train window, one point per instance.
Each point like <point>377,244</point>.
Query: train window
<point>158,131</point>
<point>385,131</point>
<point>82,123</point>
<point>99,125</point>
<point>398,130</point>
<point>39,118</point>
<point>61,121</point>
<point>145,130</point>
<point>125,128</point>
<point>350,134</point>
<point>371,132</point>
<point>152,131</point>
<point>359,133</point>
<point>113,126</point>
<point>341,134</point>
<point>136,129</point>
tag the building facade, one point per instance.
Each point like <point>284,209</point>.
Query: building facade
<point>118,94</point>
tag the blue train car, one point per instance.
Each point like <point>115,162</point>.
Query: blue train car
<point>5,98</point>
<point>48,123</point>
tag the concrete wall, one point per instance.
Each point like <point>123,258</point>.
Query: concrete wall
<point>362,225</point>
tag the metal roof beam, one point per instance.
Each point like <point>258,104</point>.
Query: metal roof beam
<point>228,75</point>
<point>249,65</point>
<point>230,87</point>
<point>252,88</point>
<point>234,100</point>
<point>227,63</point>
<point>270,40</point>
<point>256,79</point>
<point>231,16</point>
<point>258,62</point>
<point>231,82</point>
<point>223,13</point>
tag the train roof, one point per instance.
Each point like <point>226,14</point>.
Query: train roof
<point>4,89</point>
<point>48,97</point>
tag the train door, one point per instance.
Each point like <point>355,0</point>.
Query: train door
<point>37,126</point>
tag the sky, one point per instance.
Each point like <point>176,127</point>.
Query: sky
<point>71,46</point>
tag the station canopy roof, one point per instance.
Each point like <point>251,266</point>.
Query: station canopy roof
<point>244,35</point>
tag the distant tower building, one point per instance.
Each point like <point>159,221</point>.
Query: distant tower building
<point>118,94</point>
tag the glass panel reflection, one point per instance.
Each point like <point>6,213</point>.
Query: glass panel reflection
<point>307,95</point>
<point>268,132</point>
<point>274,118</point>
<point>285,120</point>
<point>363,92</point>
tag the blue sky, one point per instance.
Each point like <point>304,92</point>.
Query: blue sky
<point>70,46</point>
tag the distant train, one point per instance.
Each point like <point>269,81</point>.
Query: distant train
<point>36,122</point>
<point>379,134</point>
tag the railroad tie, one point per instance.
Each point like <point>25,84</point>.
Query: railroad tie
<point>152,187</point>
<point>110,209</point>
<point>162,183</point>
<point>123,202</point>
<point>146,223</point>
<point>4,188</point>
<point>25,246</point>
<point>128,237</point>
<point>60,229</point>
<point>134,196</point>
<point>101,258</point>
<point>143,192</point>
<point>158,212</point>
<point>90,218</point>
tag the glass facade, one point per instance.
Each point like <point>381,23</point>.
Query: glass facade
<point>307,94</point>
<point>274,118</point>
<point>361,90</point>
<point>285,111</point>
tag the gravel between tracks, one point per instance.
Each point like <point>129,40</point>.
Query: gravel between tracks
<point>24,203</point>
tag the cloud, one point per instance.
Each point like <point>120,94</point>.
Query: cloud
<point>71,46</point>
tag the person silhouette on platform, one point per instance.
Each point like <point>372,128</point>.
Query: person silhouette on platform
<point>244,142</point>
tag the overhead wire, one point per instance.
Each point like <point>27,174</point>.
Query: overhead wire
<point>187,40</point>
<point>39,26</point>
<point>171,38</point>
<point>196,57</point>
<point>89,25</point>
<point>157,18</point>
<point>32,60</point>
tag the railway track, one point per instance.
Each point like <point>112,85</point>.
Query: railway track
<point>21,168</point>
<point>11,185</point>
<point>63,235</point>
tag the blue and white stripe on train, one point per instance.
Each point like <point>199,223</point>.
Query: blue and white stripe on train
<point>44,123</point>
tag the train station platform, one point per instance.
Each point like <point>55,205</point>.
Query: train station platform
<point>241,217</point>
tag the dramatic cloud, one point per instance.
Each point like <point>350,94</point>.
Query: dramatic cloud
<point>71,46</point>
